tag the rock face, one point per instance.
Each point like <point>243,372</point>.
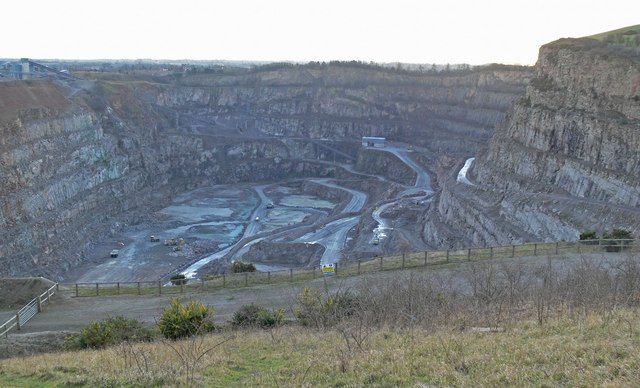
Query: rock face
<point>577,127</point>
<point>567,157</point>
<point>446,111</point>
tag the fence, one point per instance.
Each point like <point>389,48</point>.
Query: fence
<point>349,268</point>
<point>30,310</point>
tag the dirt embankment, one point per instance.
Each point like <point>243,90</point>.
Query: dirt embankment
<point>16,292</point>
<point>22,96</point>
<point>298,254</point>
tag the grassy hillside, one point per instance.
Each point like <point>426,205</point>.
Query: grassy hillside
<point>628,36</point>
<point>597,349</point>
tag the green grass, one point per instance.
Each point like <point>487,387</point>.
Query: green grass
<point>594,350</point>
<point>628,36</point>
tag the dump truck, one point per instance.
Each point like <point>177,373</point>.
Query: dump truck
<point>114,253</point>
<point>154,239</point>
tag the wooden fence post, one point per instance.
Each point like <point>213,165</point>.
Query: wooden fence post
<point>380,263</point>
<point>469,254</point>
<point>426,256</point>
<point>513,251</point>
<point>97,289</point>
<point>246,279</point>
<point>18,321</point>
<point>403,256</point>
<point>77,294</point>
<point>39,303</point>
<point>535,249</point>
<point>335,268</point>
<point>118,286</point>
<point>491,252</point>
<point>556,247</point>
<point>57,287</point>
<point>224,280</point>
<point>269,276</point>
<point>139,288</point>
<point>291,274</point>
<point>359,266</point>
<point>447,256</point>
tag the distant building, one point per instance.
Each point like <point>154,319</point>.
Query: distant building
<point>27,69</point>
<point>370,141</point>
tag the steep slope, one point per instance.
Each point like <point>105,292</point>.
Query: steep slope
<point>566,159</point>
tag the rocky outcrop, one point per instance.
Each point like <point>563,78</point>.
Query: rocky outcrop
<point>576,128</point>
<point>385,164</point>
<point>566,159</point>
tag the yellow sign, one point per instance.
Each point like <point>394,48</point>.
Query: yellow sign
<point>328,269</point>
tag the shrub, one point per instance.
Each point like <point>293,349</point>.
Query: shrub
<point>588,235</point>
<point>178,279</point>
<point>252,315</point>
<point>180,321</point>
<point>323,310</point>
<point>239,267</point>
<point>111,331</point>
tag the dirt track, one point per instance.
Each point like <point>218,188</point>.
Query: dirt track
<point>70,313</point>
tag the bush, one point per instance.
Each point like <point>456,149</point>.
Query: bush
<point>180,321</point>
<point>252,315</point>
<point>239,267</point>
<point>588,235</point>
<point>320,310</point>
<point>111,331</point>
<point>178,279</point>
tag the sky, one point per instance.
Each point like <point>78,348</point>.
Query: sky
<point>410,31</point>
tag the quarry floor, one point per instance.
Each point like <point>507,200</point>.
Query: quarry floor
<point>221,223</point>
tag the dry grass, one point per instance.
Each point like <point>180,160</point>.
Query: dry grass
<point>597,349</point>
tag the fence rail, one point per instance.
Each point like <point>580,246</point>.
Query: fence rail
<point>349,268</point>
<point>27,312</point>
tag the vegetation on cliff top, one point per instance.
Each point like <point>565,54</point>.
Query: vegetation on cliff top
<point>627,36</point>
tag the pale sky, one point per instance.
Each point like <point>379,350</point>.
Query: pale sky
<point>463,31</point>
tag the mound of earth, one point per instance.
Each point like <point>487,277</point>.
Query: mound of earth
<point>15,292</point>
<point>287,254</point>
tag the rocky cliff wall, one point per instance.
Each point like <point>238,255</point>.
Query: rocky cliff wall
<point>453,111</point>
<point>566,159</point>
<point>576,129</point>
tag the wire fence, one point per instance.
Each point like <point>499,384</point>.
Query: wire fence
<point>30,310</point>
<point>423,259</point>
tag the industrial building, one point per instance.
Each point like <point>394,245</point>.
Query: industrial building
<point>28,69</point>
<point>372,141</point>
